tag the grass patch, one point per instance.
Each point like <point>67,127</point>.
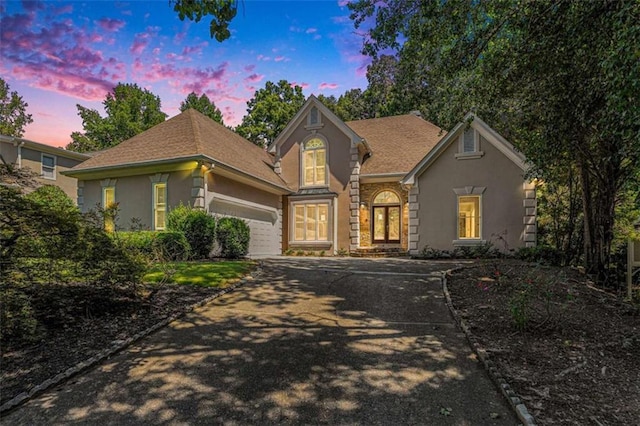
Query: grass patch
<point>204,274</point>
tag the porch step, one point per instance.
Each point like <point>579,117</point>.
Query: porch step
<point>379,252</point>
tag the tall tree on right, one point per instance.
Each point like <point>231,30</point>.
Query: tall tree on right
<point>563,92</point>
<point>269,111</point>
<point>13,112</point>
<point>203,105</point>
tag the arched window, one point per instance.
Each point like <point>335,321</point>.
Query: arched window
<point>386,197</point>
<point>314,162</point>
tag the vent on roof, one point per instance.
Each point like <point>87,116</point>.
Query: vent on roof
<point>416,113</point>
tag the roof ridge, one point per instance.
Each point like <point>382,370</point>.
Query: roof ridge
<point>195,128</point>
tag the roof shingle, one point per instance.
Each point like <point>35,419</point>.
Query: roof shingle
<point>397,143</point>
<point>188,134</point>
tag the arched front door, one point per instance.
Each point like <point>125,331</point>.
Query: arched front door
<point>386,218</point>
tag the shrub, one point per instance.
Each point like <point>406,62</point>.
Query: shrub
<point>17,319</point>
<point>171,246</point>
<point>540,254</point>
<point>233,236</point>
<point>140,241</point>
<point>197,226</point>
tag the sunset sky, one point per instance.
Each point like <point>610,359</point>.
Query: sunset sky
<point>57,54</point>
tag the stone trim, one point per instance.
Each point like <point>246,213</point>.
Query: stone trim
<point>529,221</point>
<point>106,183</point>
<point>80,194</point>
<point>159,178</point>
<point>197,188</point>
<point>354,195</point>
<point>470,190</point>
<point>279,219</point>
<point>414,219</point>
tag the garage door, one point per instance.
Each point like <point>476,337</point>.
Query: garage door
<point>262,222</point>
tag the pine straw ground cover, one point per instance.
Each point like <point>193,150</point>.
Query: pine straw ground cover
<point>570,350</point>
<point>77,321</point>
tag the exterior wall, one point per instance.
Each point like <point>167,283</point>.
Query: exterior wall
<point>341,167</point>
<point>134,195</point>
<point>367,193</point>
<point>434,216</point>
<point>225,186</point>
<point>32,159</point>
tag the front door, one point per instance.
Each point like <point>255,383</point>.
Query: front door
<point>386,224</point>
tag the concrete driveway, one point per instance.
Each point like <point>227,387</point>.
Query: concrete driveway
<point>313,341</point>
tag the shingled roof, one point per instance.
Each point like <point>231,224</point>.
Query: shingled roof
<point>397,143</point>
<point>188,135</point>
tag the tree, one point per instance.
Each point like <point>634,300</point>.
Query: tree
<point>203,105</point>
<point>13,112</point>
<point>221,11</point>
<point>380,97</point>
<point>269,111</point>
<point>130,111</point>
<point>329,101</point>
<point>352,105</point>
<point>564,94</point>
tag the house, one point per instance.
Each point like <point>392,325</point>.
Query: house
<point>397,183</point>
<point>46,161</point>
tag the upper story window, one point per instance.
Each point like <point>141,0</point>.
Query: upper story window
<point>49,166</point>
<point>469,145</point>
<point>314,119</point>
<point>314,163</point>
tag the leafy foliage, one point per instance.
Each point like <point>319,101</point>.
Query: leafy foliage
<point>130,111</point>
<point>198,227</point>
<point>537,71</point>
<point>269,111</point>
<point>171,246</point>
<point>203,105</point>
<point>221,11</point>
<point>233,236</point>
<point>13,112</point>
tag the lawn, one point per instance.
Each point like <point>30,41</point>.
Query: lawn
<point>204,274</point>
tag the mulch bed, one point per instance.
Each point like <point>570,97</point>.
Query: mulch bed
<point>79,321</point>
<point>570,350</point>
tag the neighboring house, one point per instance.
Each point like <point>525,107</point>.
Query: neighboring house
<point>46,161</point>
<point>394,183</point>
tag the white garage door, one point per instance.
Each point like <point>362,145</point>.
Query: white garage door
<point>262,222</point>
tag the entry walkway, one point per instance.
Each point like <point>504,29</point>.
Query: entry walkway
<point>313,341</point>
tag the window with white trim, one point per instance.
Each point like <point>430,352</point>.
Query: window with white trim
<point>159,205</point>
<point>314,163</point>
<point>311,222</point>
<point>469,217</point>
<point>49,166</point>
<point>109,203</point>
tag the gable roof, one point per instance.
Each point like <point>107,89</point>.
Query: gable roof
<point>186,136</point>
<point>37,146</point>
<point>397,143</point>
<point>301,115</point>
<point>484,129</point>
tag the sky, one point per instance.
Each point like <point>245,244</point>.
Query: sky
<point>57,54</point>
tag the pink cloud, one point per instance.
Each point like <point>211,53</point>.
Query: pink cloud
<point>249,68</point>
<point>58,58</point>
<point>302,85</point>
<point>331,86</point>
<point>110,24</point>
<point>183,79</point>
<point>63,10</point>
<point>254,78</point>
<point>343,3</point>
<point>281,58</point>
<point>311,30</point>
<point>197,49</point>
<point>142,40</point>
<point>263,58</point>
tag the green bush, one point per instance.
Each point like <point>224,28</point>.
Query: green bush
<point>17,319</point>
<point>197,226</point>
<point>141,241</point>
<point>541,254</point>
<point>171,246</point>
<point>233,236</point>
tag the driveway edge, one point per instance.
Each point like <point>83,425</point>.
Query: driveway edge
<point>117,347</point>
<point>498,379</point>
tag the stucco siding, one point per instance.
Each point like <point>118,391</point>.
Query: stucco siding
<point>502,207</point>
<point>9,153</point>
<point>225,186</point>
<point>32,159</point>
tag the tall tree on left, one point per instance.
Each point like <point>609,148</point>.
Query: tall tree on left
<point>13,112</point>
<point>130,110</point>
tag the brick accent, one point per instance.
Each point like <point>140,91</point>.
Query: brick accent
<point>529,218</point>
<point>367,192</point>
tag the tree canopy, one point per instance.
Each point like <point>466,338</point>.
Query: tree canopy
<point>222,13</point>
<point>203,105</point>
<point>130,111</point>
<point>565,94</point>
<point>13,112</point>
<point>269,111</point>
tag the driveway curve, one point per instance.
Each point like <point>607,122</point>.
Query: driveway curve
<point>312,341</point>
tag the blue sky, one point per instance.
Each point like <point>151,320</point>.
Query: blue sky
<point>57,54</point>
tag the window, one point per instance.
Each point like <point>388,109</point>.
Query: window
<point>108,203</point>
<point>311,222</point>
<point>48,166</point>
<point>159,205</point>
<point>314,163</point>
<point>469,218</point>
<point>314,116</point>
<point>469,141</point>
